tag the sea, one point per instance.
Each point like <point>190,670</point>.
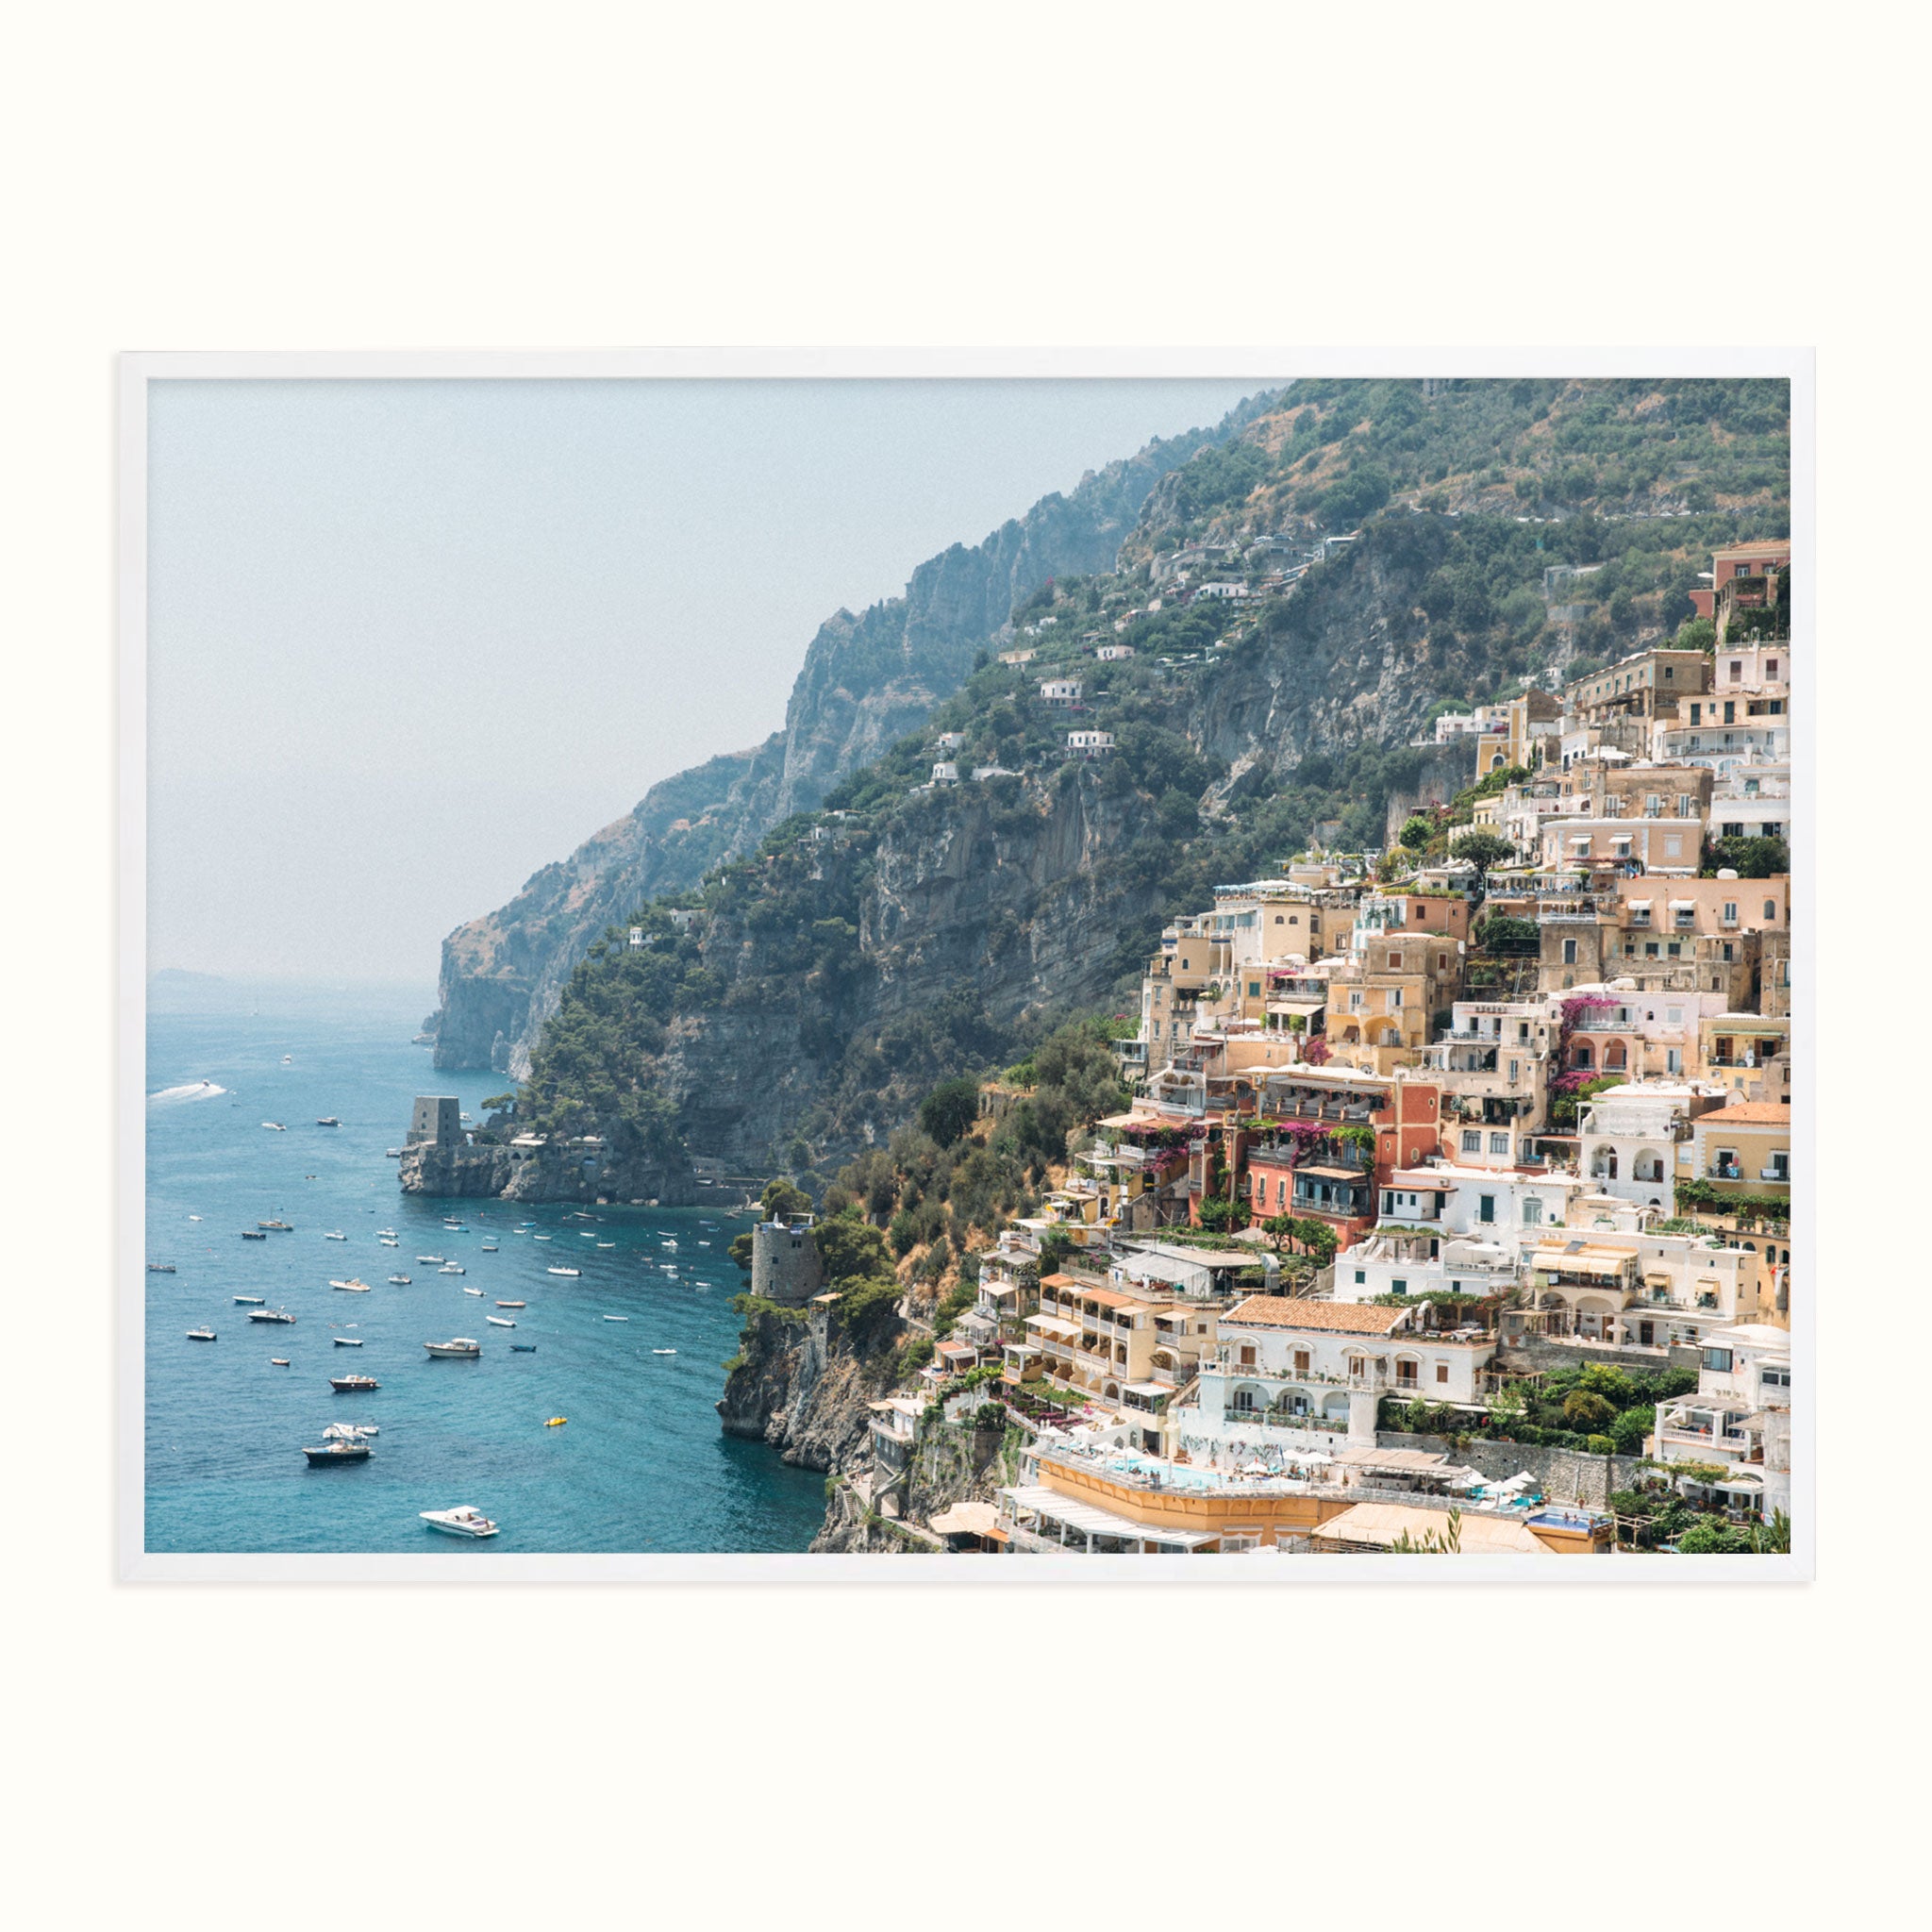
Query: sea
<point>637,1464</point>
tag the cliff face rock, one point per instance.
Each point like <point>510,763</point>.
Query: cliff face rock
<point>796,1387</point>
<point>566,1176</point>
<point>866,681</point>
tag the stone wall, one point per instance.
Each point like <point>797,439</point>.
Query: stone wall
<point>1567,1476</point>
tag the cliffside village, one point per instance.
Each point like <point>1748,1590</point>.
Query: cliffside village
<point>1460,1168</point>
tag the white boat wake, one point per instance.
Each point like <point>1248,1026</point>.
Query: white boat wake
<point>196,1089</point>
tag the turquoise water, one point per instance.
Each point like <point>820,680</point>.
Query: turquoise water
<point>640,1465</point>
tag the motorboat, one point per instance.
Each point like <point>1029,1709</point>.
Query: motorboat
<point>194,1217</point>
<point>457,1348</point>
<point>563,1271</point>
<point>348,1341</point>
<point>288,1059</point>
<point>278,1361</point>
<point>388,1240</point>
<point>250,1301</point>
<point>522,1348</point>
<point>160,1267</point>
<point>663,1351</point>
<point>617,1317</point>
<point>557,1421</point>
<point>461,1521</point>
<point>384,1233</point>
<point>509,1305</point>
<point>272,1315</point>
<point>333,1455</point>
<point>252,1234</point>
<point>276,1226</point>
<point>335,1237</point>
<point>451,1268</point>
<point>430,1260</point>
<point>499,1321</point>
<point>349,1432</point>
<point>540,1237</point>
<point>328,1120</point>
<point>352,1385</point>
<point>607,1244</point>
<point>490,1248</point>
<point>275,1126</point>
<point>352,1286</point>
<point>201,1335</point>
<point>476,1291</point>
<point>586,1234</point>
<point>399,1281</point>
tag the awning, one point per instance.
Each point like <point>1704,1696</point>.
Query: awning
<point>1052,1324</point>
<point>1579,1264</point>
<point>1150,1388</point>
<point>967,1519</point>
<point>1092,1522</point>
<point>1297,1006</point>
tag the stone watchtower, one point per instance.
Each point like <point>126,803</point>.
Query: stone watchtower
<point>785,1265</point>
<point>436,1122</point>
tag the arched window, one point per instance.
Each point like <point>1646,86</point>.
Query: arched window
<point>1582,1056</point>
<point>1614,1056</point>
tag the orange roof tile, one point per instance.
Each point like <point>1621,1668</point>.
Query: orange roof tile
<point>1753,1113</point>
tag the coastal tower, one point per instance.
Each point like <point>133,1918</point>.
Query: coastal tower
<point>436,1122</point>
<point>785,1265</point>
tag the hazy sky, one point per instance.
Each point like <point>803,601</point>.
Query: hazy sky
<point>408,642</point>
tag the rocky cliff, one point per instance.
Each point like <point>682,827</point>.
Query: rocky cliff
<point>866,680</point>
<point>796,1386</point>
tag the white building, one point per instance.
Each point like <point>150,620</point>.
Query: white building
<point>1289,1372</point>
<point>945,773</point>
<point>1060,690</point>
<point>1091,744</point>
<point>1630,1135</point>
<point>1113,654</point>
<point>1740,1419</point>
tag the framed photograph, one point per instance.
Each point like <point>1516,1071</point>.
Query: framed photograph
<point>758,964</point>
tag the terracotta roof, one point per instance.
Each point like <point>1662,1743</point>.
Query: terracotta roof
<point>1291,1311</point>
<point>1767,1113</point>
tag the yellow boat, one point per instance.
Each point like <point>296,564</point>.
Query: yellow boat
<point>557,1421</point>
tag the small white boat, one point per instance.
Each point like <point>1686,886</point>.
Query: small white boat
<point>509,1305</point>
<point>388,1240</point>
<point>667,1244</point>
<point>399,1281</point>
<point>607,1244</point>
<point>563,1271</point>
<point>349,1432</point>
<point>386,1234</point>
<point>332,1237</point>
<point>476,1291</point>
<point>663,1351</point>
<point>451,1268</point>
<point>540,1237</point>
<point>278,1361</point>
<point>328,1120</point>
<point>394,1153</point>
<point>499,1321</point>
<point>617,1317</point>
<point>461,1521</point>
<point>271,1315</point>
<point>275,1126</point>
<point>201,1335</point>
<point>586,1234</point>
<point>430,1260</point>
<point>194,1217</point>
<point>348,1341</point>
<point>249,1301</point>
<point>288,1059</point>
<point>352,1286</point>
<point>458,1346</point>
<point>490,1248</point>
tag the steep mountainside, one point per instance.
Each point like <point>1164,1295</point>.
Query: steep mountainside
<point>902,932</point>
<point>866,680</point>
